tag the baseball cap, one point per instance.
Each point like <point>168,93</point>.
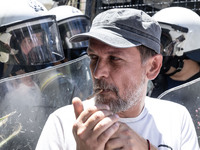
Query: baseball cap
<point>124,28</point>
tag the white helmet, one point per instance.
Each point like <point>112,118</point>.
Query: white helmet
<point>28,36</point>
<point>181,27</point>
<point>18,10</point>
<point>63,12</point>
<point>71,21</point>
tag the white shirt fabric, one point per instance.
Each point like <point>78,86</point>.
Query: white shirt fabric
<point>166,124</point>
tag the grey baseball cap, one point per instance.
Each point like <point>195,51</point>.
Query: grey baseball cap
<point>124,28</point>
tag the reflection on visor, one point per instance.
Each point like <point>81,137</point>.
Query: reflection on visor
<point>36,40</point>
<point>169,50</point>
<point>73,26</point>
<point>27,101</point>
<point>28,43</point>
<point>38,54</point>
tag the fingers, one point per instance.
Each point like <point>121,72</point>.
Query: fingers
<point>83,117</point>
<point>115,143</point>
<point>126,138</point>
<point>105,123</point>
<point>101,123</point>
<point>96,117</point>
<point>78,109</point>
<point>106,135</point>
<point>94,125</point>
<point>78,106</point>
<point>94,121</point>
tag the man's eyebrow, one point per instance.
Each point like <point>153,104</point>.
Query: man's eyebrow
<point>115,52</point>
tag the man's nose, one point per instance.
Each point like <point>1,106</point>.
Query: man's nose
<point>101,69</point>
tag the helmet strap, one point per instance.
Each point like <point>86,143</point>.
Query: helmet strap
<point>176,62</point>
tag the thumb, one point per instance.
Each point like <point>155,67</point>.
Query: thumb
<point>78,106</point>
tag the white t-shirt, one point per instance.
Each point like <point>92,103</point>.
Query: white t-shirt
<point>167,125</point>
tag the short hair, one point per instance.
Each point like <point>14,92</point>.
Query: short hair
<point>145,53</point>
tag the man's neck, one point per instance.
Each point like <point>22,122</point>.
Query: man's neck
<point>190,68</point>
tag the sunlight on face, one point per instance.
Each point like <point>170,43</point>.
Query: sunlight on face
<point>130,97</point>
<point>119,73</point>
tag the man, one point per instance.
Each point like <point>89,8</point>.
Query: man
<point>124,47</point>
<point>71,21</point>
<point>29,39</point>
<point>180,48</point>
<point>181,58</point>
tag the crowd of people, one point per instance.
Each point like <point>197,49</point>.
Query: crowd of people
<point>129,51</point>
<point>124,48</point>
<point>36,73</point>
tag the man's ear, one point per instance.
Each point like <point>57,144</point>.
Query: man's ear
<point>154,65</point>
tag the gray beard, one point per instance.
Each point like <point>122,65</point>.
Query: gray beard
<point>118,104</point>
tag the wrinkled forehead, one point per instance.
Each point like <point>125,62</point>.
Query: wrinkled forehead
<point>97,46</point>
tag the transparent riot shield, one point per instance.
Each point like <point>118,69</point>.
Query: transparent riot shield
<point>27,100</point>
<point>187,94</point>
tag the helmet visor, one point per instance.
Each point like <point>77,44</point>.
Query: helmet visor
<point>72,26</point>
<point>34,42</point>
<point>171,37</point>
<point>166,44</point>
<point>169,46</point>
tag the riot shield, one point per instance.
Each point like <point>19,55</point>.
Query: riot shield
<point>27,100</point>
<point>187,94</point>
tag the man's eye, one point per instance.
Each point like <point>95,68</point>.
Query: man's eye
<point>93,57</point>
<point>114,58</point>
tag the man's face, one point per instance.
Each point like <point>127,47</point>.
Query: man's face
<point>119,73</point>
<point>30,42</point>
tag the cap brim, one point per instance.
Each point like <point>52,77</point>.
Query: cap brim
<point>109,37</point>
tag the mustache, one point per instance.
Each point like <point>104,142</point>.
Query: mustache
<point>103,85</point>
